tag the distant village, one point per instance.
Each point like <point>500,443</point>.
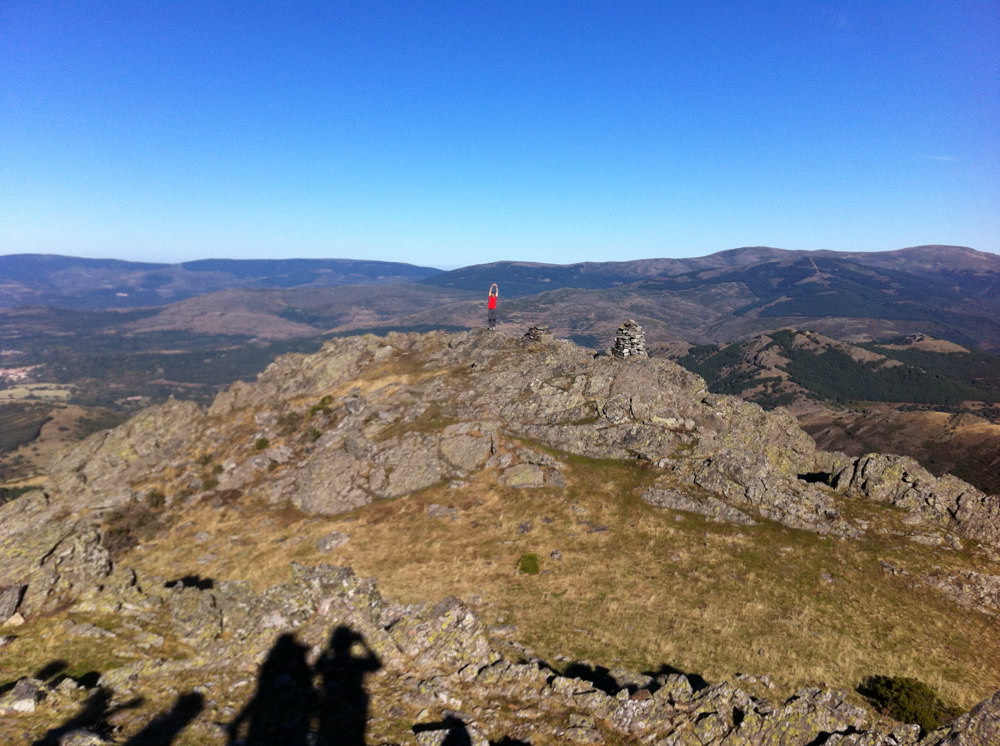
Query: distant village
<point>16,375</point>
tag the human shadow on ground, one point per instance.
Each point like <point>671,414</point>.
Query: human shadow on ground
<point>295,703</point>
<point>93,716</point>
<point>165,727</point>
<point>301,705</point>
<point>344,702</point>
<point>282,708</point>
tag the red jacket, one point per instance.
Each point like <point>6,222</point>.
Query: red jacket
<point>491,301</point>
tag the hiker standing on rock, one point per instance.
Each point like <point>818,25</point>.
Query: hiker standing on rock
<point>491,306</point>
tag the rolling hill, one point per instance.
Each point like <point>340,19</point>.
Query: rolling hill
<point>93,284</point>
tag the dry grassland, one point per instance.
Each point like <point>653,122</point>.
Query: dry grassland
<point>635,586</point>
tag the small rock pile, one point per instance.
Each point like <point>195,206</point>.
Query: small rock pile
<point>537,333</point>
<point>630,341</point>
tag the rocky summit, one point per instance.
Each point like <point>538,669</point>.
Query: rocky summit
<point>169,581</point>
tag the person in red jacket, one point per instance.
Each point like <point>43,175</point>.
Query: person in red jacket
<point>491,306</point>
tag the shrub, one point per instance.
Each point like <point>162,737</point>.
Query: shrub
<point>323,405</point>
<point>156,500</point>
<point>907,700</point>
<point>288,422</point>
<point>209,483</point>
<point>126,526</point>
<point>261,443</point>
<point>528,564</point>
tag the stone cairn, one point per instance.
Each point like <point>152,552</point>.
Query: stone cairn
<point>537,333</point>
<point>630,341</point>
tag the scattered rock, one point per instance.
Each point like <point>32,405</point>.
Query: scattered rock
<point>523,475</point>
<point>441,511</point>
<point>973,590</point>
<point>24,697</point>
<point>708,506</point>
<point>10,600</point>
<point>332,541</point>
<point>537,333</point>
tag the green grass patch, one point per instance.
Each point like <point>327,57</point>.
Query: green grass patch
<point>528,564</point>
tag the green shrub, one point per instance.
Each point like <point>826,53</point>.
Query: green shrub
<point>312,435</point>
<point>261,443</point>
<point>528,564</point>
<point>907,700</point>
<point>209,483</point>
<point>323,405</point>
<point>156,500</point>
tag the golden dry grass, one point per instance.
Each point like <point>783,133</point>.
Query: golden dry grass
<point>636,586</point>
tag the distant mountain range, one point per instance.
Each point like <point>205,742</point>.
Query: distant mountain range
<point>722,315</point>
<point>949,292</point>
<point>94,284</point>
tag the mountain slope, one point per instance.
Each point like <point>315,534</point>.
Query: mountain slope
<point>858,398</point>
<point>585,509</point>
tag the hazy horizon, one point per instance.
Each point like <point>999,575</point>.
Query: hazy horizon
<point>447,134</point>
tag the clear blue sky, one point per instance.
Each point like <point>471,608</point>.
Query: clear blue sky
<point>454,133</point>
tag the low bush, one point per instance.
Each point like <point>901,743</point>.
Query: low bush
<point>907,700</point>
<point>156,500</point>
<point>124,527</point>
<point>323,405</point>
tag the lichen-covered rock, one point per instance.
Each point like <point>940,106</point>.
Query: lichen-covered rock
<point>73,566</point>
<point>712,507</point>
<point>406,465</point>
<point>10,600</point>
<point>331,483</point>
<point>979,727</point>
<point>102,466</point>
<point>974,590</point>
<point>902,482</point>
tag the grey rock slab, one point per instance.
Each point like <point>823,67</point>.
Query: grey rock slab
<point>332,541</point>
<point>708,506</point>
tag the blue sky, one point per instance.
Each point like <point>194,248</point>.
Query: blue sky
<point>454,133</point>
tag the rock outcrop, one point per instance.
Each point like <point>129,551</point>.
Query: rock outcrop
<point>902,482</point>
<point>370,418</point>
